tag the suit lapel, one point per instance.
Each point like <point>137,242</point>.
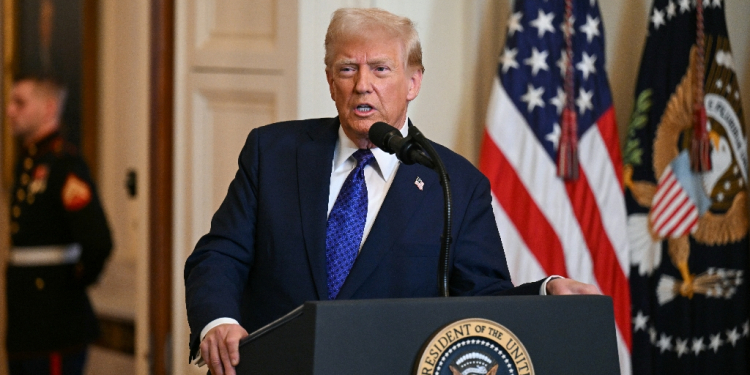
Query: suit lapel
<point>314,159</point>
<point>401,203</point>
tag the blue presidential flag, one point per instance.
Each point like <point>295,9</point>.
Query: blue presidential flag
<point>687,226</point>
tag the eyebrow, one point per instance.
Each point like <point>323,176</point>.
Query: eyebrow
<point>377,61</point>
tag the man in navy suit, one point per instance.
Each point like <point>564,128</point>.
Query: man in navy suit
<point>267,249</point>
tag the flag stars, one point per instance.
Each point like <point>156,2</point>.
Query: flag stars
<point>657,18</point>
<point>733,336</point>
<point>716,342</point>
<point>698,346</point>
<point>724,58</point>
<point>640,321</point>
<point>543,23</point>
<point>719,84</point>
<point>591,28</point>
<point>652,335</point>
<point>514,23</point>
<point>681,347</point>
<point>684,6</point>
<point>671,10</point>
<point>559,100</point>
<point>586,65</point>
<point>665,343</point>
<point>745,329</point>
<point>533,97</point>
<point>584,100</point>
<point>554,135</point>
<point>717,3</point>
<point>537,61</point>
<point>508,59</point>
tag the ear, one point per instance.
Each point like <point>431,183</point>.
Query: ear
<point>415,83</point>
<point>329,78</point>
<point>51,108</point>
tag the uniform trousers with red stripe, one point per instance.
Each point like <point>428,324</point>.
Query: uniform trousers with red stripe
<point>53,363</point>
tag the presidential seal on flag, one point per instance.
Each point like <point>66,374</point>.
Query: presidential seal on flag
<point>686,180</point>
<point>710,205</point>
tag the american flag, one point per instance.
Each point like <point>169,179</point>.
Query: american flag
<point>550,226</point>
<point>679,200</point>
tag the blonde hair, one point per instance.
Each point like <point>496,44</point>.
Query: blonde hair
<point>46,86</point>
<point>347,23</point>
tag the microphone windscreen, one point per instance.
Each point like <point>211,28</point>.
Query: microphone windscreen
<point>380,133</point>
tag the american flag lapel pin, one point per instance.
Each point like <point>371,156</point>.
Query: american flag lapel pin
<point>419,183</point>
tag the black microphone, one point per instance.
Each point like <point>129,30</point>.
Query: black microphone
<point>390,140</point>
<point>416,148</point>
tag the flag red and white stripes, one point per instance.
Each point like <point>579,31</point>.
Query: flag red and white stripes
<point>553,227</point>
<point>673,212</point>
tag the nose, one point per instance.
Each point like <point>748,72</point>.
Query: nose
<point>363,83</point>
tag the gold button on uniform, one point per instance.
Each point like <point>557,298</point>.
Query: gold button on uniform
<point>21,194</point>
<point>16,211</point>
<point>28,163</point>
<point>39,283</point>
<point>24,179</point>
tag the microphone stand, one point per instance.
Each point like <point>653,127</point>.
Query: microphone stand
<point>445,239</point>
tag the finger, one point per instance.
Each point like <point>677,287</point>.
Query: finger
<point>591,289</point>
<point>224,355</point>
<point>204,351</point>
<point>214,359</point>
<point>233,349</point>
<point>576,287</point>
<point>233,345</point>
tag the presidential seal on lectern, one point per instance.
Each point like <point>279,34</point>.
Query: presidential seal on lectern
<point>474,347</point>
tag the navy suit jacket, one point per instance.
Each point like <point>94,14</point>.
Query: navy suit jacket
<point>265,252</point>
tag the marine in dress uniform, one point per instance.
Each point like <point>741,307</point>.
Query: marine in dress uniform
<point>60,242</point>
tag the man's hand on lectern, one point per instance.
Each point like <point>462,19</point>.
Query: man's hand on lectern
<point>564,286</point>
<point>220,349</point>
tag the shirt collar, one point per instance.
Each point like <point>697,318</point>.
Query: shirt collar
<point>386,163</point>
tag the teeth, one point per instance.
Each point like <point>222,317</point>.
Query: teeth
<point>363,107</point>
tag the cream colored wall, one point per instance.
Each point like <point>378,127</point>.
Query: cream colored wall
<point>123,92</point>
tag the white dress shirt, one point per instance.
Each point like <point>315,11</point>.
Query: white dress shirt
<point>378,176</point>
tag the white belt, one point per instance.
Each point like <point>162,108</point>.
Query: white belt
<point>45,255</point>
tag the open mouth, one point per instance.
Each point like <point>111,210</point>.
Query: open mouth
<point>363,108</point>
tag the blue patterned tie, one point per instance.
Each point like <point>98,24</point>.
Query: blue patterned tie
<point>346,224</point>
